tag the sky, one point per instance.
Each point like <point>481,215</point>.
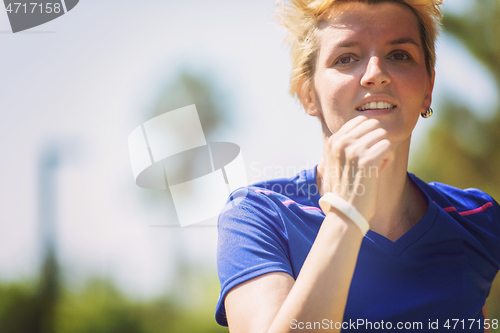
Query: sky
<point>83,82</point>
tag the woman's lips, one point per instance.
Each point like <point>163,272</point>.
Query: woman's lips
<point>375,105</point>
<point>376,112</point>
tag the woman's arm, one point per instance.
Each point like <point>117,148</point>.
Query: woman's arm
<point>275,302</point>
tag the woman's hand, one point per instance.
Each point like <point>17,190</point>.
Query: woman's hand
<point>353,158</point>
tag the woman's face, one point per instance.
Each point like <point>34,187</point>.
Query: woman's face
<point>371,62</point>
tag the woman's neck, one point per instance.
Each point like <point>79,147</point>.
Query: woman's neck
<point>394,198</point>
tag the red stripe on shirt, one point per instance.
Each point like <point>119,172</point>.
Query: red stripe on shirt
<point>286,202</point>
<point>263,191</point>
<point>310,208</point>
<point>469,212</point>
<point>477,210</point>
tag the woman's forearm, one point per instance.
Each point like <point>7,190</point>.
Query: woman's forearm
<point>321,289</point>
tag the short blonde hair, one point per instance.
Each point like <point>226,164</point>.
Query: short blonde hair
<point>301,18</point>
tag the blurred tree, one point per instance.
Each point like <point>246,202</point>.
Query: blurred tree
<point>213,105</point>
<point>47,306</point>
<point>188,87</point>
<point>464,151</point>
<point>47,294</point>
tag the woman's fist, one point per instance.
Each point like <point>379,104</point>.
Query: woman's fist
<point>353,158</point>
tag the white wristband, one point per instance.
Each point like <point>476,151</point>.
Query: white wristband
<point>332,200</point>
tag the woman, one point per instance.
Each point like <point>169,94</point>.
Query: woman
<point>296,254</point>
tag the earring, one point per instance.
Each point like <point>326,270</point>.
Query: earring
<point>427,113</point>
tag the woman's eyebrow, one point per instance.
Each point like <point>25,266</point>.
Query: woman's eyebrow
<point>404,40</point>
<point>348,44</point>
<point>399,41</point>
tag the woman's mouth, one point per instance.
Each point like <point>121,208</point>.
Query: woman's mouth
<point>376,106</point>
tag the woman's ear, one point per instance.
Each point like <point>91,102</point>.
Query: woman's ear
<point>428,96</point>
<point>308,99</point>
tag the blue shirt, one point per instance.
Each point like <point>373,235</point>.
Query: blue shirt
<point>441,269</point>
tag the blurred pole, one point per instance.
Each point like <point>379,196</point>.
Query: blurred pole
<point>48,288</point>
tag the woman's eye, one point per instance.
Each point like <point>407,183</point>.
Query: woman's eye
<point>400,56</point>
<point>344,60</point>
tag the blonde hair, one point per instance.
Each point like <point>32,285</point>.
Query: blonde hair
<point>301,18</point>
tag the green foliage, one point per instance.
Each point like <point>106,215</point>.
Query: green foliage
<point>101,308</point>
<point>18,308</point>
<point>479,31</point>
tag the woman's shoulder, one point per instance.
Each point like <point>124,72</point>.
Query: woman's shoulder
<point>301,189</point>
<point>451,198</point>
<point>269,202</point>
<point>471,214</point>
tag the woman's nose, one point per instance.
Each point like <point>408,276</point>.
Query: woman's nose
<point>375,73</point>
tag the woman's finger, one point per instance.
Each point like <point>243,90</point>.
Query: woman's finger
<point>371,138</point>
<point>349,125</point>
<point>379,154</point>
<point>363,128</point>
